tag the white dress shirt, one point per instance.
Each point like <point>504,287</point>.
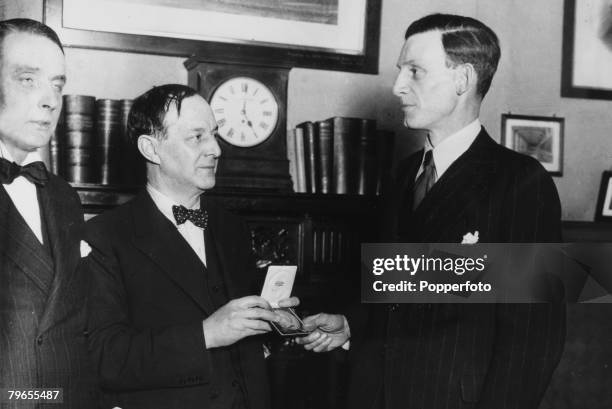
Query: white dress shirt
<point>449,150</point>
<point>23,193</point>
<point>190,232</point>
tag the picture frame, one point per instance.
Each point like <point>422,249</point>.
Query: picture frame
<point>603,211</point>
<point>536,136</point>
<point>587,50</point>
<point>347,40</point>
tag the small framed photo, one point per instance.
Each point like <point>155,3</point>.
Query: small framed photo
<point>604,201</point>
<point>537,136</point>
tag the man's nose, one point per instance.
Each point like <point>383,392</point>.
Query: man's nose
<point>50,98</point>
<point>401,83</point>
<point>214,149</point>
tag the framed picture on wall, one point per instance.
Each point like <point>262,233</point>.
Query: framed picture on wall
<point>324,34</point>
<point>536,136</point>
<point>604,201</point>
<point>587,49</point>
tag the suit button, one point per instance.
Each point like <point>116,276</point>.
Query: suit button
<point>39,340</point>
<point>216,288</point>
<point>214,394</point>
<point>393,307</point>
<point>235,383</point>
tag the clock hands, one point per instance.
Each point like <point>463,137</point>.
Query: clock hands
<point>246,119</point>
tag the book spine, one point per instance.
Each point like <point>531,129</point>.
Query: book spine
<point>325,155</point>
<point>366,158</point>
<point>343,133</point>
<point>108,140</point>
<point>56,146</point>
<point>291,157</point>
<point>311,157</point>
<point>300,163</point>
<point>79,138</point>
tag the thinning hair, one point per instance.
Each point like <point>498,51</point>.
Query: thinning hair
<point>465,40</point>
<point>28,26</point>
<point>149,110</point>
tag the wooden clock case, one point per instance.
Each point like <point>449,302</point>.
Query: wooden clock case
<point>260,167</point>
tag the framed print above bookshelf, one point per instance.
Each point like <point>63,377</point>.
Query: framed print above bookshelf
<point>322,34</point>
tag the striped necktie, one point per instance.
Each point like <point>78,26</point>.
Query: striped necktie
<point>426,179</point>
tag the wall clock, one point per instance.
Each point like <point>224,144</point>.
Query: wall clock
<point>250,106</point>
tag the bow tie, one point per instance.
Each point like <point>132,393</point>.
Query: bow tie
<point>35,172</point>
<point>197,217</point>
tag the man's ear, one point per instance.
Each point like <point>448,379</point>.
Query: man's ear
<point>147,145</point>
<point>465,78</point>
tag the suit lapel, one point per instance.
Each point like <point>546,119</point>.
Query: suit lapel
<point>464,183</point>
<point>63,235</point>
<point>405,192</point>
<point>18,242</point>
<point>216,241</point>
<point>159,240</point>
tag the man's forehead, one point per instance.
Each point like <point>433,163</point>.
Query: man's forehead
<point>422,46</point>
<point>32,50</point>
<point>18,39</point>
<point>195,113</point>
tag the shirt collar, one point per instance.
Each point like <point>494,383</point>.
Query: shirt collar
<point>30,157</point>
<point>164,203</point>
<point>454,146</point>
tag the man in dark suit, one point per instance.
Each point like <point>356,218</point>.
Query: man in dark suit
<point>461,186</point>
<point>172,321</point>
<point>42,296</point>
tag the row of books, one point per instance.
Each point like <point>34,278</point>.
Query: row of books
<point>339,156</point>
<point>91,144</point>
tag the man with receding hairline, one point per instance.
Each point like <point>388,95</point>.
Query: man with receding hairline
<point>42,296</point>
<point>461,185</point>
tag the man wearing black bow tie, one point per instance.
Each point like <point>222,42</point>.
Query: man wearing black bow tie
<point>172,316</point>
<point>42,296</point>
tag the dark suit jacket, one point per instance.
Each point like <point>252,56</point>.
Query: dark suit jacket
<point>465,356</point>
<point>148,301</point>
<point>42,299</point>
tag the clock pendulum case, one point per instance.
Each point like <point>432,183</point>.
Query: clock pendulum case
<point>250,105</point>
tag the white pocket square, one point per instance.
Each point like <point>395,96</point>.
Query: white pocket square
<point>85,249</point>
<point>470,238</point>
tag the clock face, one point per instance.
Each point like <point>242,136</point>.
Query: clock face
<point>246,111</point>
